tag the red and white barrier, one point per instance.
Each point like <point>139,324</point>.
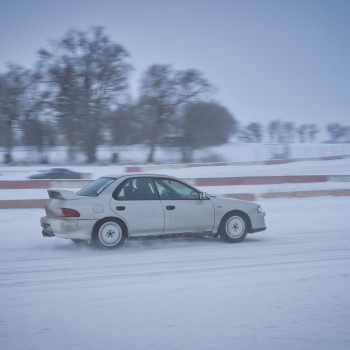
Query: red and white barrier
<point>214,181</point>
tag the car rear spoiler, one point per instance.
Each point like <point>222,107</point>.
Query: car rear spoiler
<point>62,194</point>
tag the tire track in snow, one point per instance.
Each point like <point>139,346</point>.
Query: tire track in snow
<point>48,280</point>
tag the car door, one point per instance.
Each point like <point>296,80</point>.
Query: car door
<point>184,211</point>
<point>136,201</point>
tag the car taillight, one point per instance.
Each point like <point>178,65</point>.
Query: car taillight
<point>70,213</point>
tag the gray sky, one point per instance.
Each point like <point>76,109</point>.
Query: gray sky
<point>269,59</point>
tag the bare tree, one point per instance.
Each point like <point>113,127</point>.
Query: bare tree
<point>338,133</point>
<point>254,130</point>
<point>35,124</point>
<point>163,92</point>
<point>3,111</point>
<point>13,87</point>
<point>307,132</point>
<point>281,132</point>
<point>274,130</point>
<point>302,132</point>
<point>125,128</point>
<point>313,131</point>
<point>287,133</point>
<point>204,125</point>
<point>87,73</point>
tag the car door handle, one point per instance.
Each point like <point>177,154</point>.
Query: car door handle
<point>170,207</point>
<point>120,208</point>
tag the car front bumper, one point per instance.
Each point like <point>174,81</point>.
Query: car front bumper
<point>67,228</point>
<point>258,222</point>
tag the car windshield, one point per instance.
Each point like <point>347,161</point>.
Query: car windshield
<point>95,188</point>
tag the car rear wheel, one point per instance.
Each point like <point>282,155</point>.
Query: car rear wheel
<point>108,233</point>
<point>234,228</point>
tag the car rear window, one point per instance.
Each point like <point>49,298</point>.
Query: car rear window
<point>95,188</point>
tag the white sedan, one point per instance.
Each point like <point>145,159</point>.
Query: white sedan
<point>112,209</point>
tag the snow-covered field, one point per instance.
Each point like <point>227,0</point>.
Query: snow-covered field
<point>229,152</point>
<point>285,288</point>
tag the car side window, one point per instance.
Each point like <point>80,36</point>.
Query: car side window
<point>140,188</point>
<point>172,189</point>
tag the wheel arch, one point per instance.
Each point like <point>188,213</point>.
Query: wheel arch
<point>237,211</point>
<point>113,218</point>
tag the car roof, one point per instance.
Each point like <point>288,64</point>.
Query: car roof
<point>131,175</point>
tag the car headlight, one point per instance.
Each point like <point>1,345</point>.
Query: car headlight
<point>259,209</point>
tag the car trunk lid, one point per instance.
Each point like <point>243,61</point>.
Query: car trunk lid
<point>62,194</point>
<point>59,199</point>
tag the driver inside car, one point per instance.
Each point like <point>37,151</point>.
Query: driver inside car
<point>143,190</point>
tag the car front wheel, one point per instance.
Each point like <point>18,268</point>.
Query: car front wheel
<point>234,228</point>
<point>108,233</point>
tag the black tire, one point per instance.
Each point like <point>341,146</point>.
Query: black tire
<point>234,227</point>
<point>108,233</point>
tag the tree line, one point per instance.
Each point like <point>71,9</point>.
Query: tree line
<point>77,95</point>
<point>288,132</point>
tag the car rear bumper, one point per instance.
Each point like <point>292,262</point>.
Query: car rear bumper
<point>67,228</point>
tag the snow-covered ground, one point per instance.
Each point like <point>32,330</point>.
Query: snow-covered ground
<point>284,288</point>
<point>229,152</point>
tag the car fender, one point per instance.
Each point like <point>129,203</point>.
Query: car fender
<point>225,205</point>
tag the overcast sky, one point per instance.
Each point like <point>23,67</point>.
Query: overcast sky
<point>269,59</point>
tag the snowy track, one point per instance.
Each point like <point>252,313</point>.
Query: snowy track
<point>285,288</point>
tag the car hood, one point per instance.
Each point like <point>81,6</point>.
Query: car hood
<point>232,203</point>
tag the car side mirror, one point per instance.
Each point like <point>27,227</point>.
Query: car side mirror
<point>203,195</point>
